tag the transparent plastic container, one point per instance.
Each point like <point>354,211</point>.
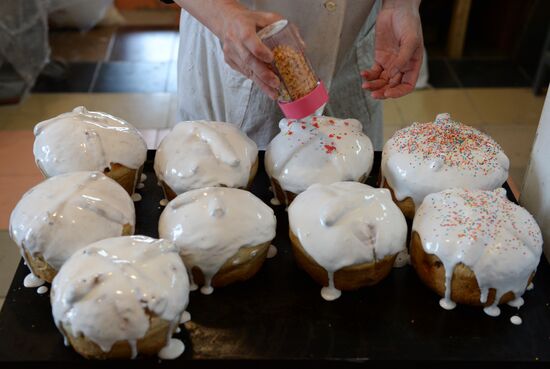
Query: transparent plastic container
<point>301,92</point>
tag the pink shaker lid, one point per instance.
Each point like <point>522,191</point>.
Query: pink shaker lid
<point>307,105</point>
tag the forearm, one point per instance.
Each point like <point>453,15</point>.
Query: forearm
<point>210,12</point>
<point>386,4</point>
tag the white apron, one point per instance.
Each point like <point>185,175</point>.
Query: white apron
<point>339,36</point>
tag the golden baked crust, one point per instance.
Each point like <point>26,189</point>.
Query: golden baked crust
<point>406,205</point>
<point>40,268</point>
<point>169,194</point>
<point>124,176</point>
<point>345,279</point>
<point>286,197</point>
<point>464,287</point>
<point>240,267</point>
<point>154,340</point>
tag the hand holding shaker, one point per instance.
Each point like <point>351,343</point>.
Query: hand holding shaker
<point>301,93</point>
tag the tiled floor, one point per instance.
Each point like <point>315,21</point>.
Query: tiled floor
<point>130,72</point>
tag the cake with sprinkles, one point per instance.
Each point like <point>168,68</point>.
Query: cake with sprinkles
<point>430,157</point>
<point>475,247</point>
<point>316,149</point>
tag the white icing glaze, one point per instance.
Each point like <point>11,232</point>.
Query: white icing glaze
<point>209,225</point>
<point>86,140</point>
<point>516,320</point>
<point>498,240</point>
<point>104,290</point>
<point>200,154</point>
<point>172,350</point>
<point>42,290</point>
<point>318,149</point>
<point>272,251</point>
<point>430,157</point>
<point>185,317</point>
<point>346,223</point>
<point>32,281</point>
<point>67,212</point>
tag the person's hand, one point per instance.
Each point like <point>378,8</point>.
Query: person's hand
<point>398,50</point>
<point>244,51</point>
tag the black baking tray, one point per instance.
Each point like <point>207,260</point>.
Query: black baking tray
<point>279,318</point>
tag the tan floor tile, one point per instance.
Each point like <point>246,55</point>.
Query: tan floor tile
<point>516,140</point>
<point>16,155</point>
<point>11,190</point>
<point>424,105</point>
<point>9,259</point>
<point>506,105</point>
<point>140,109</point>
<point>391,113</point>
<point>81,46</point>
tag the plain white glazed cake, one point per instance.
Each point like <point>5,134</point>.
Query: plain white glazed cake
<point>115,290</point>
<point>201,154</point>
<point>345,224</point>
<point>430,157</point>
<point>85,140</point>
<point>318,149</point>
<point>497,239</point>
<point>67,212</point>
<point>210,226</point>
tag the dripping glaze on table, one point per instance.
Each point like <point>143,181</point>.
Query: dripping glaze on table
<point>67,212</point>
<point>199,154</point>
<point>497,239</point>
<point>209,225</point>
<point>318,149</point>
<point>134,276</point>
<point>344,224</point>
<point>430,157</point>
<point>86,140</point>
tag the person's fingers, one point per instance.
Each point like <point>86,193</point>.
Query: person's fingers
<point>379,94</point>
<point>411,76</point>
<point>374,85</point>
<point>395,80</point>
<point>406,51</point>
<point>262,71</point>
<point>398,91</point>
<point>264,19</point>
<point>372,73</point>
<point>256,47</point>
<point>269,91</point>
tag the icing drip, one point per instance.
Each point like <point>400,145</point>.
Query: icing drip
<point>530,287</point>
<point>67,212</point>
<point>318,149</point>
<point>210,225</point>
<point>131,277</point>
<point>185,317</point>
<point>32,281</point>
<point>346,223</point>
<point>215,154</point>
<point>330,293</point>
<point>498,240</point>
<point>517,302</point>
<point>42,290</point>
<point>136,197</point>
<point>402,259</point>
<point>84,140</point>
<point>271,252</point>
<point>143,177</point>
<point>172,350</point>
<point>163,202</point>
<point>275,201</point>
<point>140,186</point>
<point>516,320</point>
<point>448,153</point>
